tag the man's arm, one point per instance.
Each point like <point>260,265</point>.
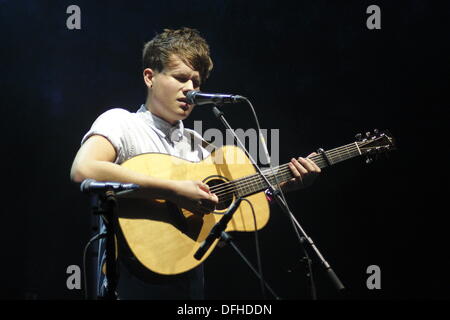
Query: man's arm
<point>95,160</point>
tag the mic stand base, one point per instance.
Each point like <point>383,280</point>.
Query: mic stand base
<point>304,238</point>
<point>229,240</point>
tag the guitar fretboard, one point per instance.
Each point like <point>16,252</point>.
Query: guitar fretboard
<point>255,183</point>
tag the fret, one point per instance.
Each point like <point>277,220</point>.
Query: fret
<point>253,187</point>
<point>352,152</point>
<point>327,156</point>
<point>237,190</point>
<point>347,153</point>
<point>343,153</point>
<point>336,157</point>
<point>255,183</point>
<point>318,160</point>
<point>339,153</point>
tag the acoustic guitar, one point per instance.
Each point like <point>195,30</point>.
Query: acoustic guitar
<point>165,238</point>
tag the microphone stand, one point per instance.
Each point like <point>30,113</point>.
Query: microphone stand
<point>277,195</point>
<point>106,207</point>
<point>218,231</point>
<point>225,237</point>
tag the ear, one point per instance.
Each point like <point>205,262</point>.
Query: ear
<point>148,77</point>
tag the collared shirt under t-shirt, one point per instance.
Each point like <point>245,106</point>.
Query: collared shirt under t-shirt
<point>131,134</point>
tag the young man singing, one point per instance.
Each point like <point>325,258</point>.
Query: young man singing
<point>174,62</point>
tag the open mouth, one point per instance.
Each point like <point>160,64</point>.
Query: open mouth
<point>184,103</point>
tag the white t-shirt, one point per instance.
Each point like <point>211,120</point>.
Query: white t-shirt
<point>134,133</point>
<point>131,134</point>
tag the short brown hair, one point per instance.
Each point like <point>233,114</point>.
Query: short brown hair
<point>186,43</point>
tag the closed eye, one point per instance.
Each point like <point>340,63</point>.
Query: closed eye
<point>181,79</point>
<point>195,82</point>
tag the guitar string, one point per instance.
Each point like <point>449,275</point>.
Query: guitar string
<point>227,196</point>
<point>241,183</point>
<point>283,170</point>
<point>316,159</point>
<point>232,188</point>
<point>257,179</point>
<point>282,175</point>
<point>253,187</point>
<point>248,180</point>
<point>251,181</point>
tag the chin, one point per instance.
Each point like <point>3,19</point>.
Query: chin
<point>179,115</point>
<point>183,114</point>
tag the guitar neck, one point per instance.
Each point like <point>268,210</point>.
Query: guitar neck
<point>255,183</point>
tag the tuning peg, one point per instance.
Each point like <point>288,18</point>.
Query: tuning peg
<point>367,134</point>
<point>358,136</point>
<point>375,131</point>
<point>369,160</point>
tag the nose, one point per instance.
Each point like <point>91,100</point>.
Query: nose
<point>188,86</point>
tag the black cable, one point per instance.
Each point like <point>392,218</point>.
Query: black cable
<point>258,254</point>
<point>300,238</point>
<point>94,238</point>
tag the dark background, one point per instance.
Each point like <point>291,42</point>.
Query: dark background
<point>311,68</point>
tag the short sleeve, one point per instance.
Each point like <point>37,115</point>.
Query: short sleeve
<point>110,125</point>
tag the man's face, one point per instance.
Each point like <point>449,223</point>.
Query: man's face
<point>169,88</point>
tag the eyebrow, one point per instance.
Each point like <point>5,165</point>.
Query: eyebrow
<point>187,75</point>
<point>184,73</point>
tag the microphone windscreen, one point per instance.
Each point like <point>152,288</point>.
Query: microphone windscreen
<point>190,96</point>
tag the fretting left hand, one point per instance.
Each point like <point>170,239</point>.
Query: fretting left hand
<point>305,171</point>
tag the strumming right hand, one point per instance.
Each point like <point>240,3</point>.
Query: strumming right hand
<point>194,196</point>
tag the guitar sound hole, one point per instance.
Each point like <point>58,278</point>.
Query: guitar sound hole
<point>225,193</point>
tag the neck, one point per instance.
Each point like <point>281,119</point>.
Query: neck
<point>153,110</point>
<point>255,183</point>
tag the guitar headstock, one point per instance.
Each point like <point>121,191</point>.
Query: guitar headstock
<point>373,144</point>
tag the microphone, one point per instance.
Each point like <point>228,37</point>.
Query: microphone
<point>216,231</point>
<point>92,186</point>
<point>200,98</point>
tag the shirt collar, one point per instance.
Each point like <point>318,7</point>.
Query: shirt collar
<point>161,126</point>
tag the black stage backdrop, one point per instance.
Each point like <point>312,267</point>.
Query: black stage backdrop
<point>312,69</point>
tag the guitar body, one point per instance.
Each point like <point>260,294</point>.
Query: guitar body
<point>165,238</point>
